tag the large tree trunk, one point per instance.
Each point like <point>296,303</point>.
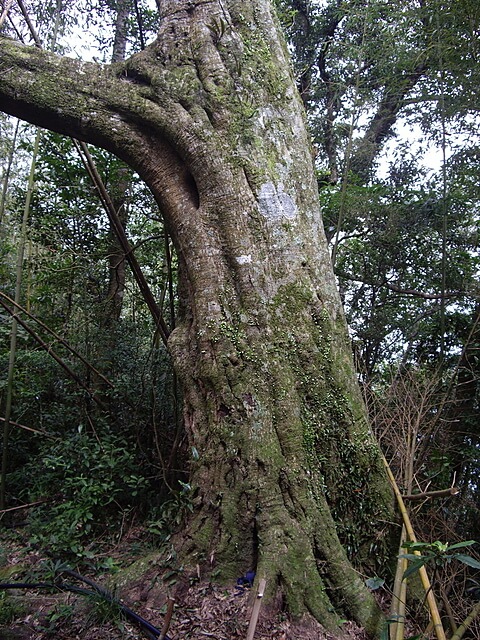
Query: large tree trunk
<point>288,478</point>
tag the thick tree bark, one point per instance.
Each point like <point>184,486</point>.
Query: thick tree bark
<point>288,477</point>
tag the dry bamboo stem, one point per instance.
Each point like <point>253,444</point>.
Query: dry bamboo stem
<point>466,623</point>
<point>5,11</point>
<point>256,609</point>
<point>397,609</point>
<point>168,618</point>
<point>442,493</point>
<point>23,506</point>
<point>52,353</point>
<point>31,429</point>
<point>137,272</point>
<point>432,604</point>
<point>56,336</point>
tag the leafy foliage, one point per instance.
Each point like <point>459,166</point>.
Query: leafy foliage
<point>436,553</point>
<point>10,608</point>
<point>96,478</point>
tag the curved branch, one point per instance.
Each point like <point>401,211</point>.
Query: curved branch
<point>36,85</point>
<point>420,294</point>
<point>397,289</point>
<point>126,108</point>
<point>88,101</point>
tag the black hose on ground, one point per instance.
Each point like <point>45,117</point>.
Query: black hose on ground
<point>129,614</point>
<point>150,630</point>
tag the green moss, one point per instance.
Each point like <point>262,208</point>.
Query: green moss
<point>341,455</point>
<point>204,536</point>
<point>137,569</point>
<point>184,84</point>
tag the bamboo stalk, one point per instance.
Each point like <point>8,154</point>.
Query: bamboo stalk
<point>29,24</point>
<point>23,506</point>
<point>402,603</point>
<point>106,201</point>
<point>397,608</point>
<point>432,603</point>
<point>168,618</point>
<point>19,271</point>
<point>7,172</point>
<point>466,623</point>
<point>57,337</point>
<point>256,609</point>
<point>15,321</point>
<point>137,272</point>
<point>31,429</point>
<point>52,353</point>
<point>5,11</point>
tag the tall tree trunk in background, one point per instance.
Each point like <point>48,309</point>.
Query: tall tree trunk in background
<point>288,477</point>
<point>118,191</point>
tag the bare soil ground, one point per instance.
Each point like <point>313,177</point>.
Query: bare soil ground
<point>203,610</point>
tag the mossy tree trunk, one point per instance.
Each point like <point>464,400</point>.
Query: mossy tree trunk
<point>288,478</point>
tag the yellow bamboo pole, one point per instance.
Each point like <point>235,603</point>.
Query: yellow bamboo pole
<point>432,603</point>
<point>256,609</point>
<point>402,604</point>
<point>466,623</point>
<point>399,596</point>
<point>395,607</point>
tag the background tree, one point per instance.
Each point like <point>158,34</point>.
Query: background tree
<point>67,287</point>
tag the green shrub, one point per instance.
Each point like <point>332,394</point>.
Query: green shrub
<point>87,482</point>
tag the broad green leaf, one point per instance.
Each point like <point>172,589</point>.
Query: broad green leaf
<point>416,546</point>
<point>468,560</point>
<point>460,545</point>
<point>414,567</point>
<point>409,556</point>
<point>374,583</point>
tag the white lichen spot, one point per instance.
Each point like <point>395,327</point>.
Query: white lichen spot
<point>265,116</point>
<point>244,259</point>
<point>275,204</point>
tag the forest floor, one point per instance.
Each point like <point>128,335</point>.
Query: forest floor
<point>143,581</point>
